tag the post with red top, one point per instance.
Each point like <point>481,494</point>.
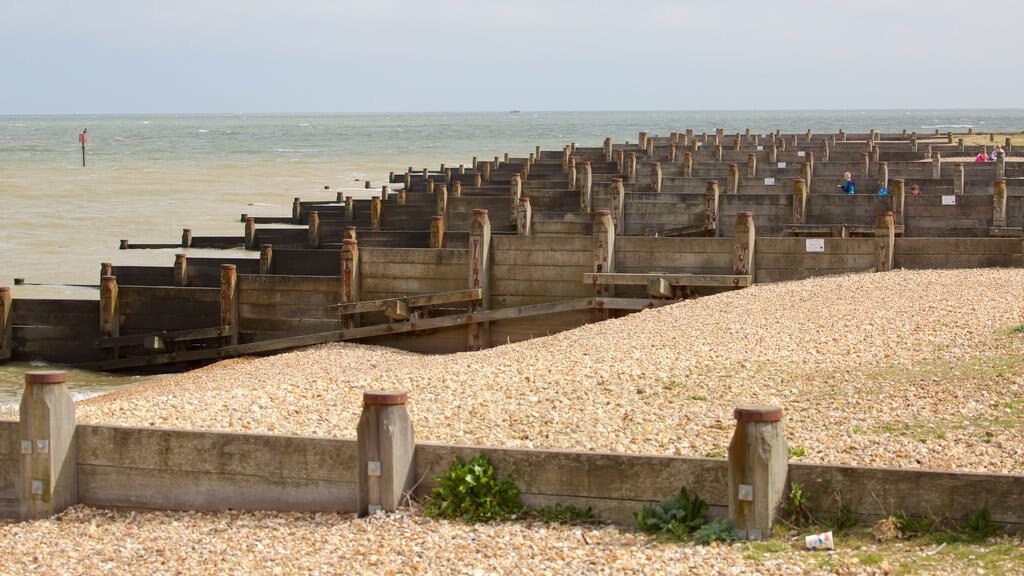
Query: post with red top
<point>6,326</point>
<point>229,301</point>
<point>386,446</point>
<point>758,465</point>
<point>49,480</point>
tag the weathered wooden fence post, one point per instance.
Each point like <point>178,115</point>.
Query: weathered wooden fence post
<point>745,236</point>
<point>604,257</point>
<point>899,196</point>
<point>349,279</point>
<point>571,175</point>
<point>641,139</point>
<point>751,165</point>
<point>515,192</point>
<point>824,151</point>
<point>180,270</point>
<point>631,168</point>
<point>6,326</point>
<point>773,154</point>
<point>758,466</point>
<point>732,181</point>
<point>266,259</point>
<point>865,167</point>
<point>478,335</point>
<point>110,323</point>
<point>799,201</point>
<point>348,233</point>
<point>885,239</point>
<point>186,237</point>
<point>106,269</point>
<point>936,165</point>
<point>1001,167</point>
<point>385,447</point>
<point>441,196</point>
<point>437,232</point>
<point>999,204</point>
<point>229,300</point>
<point>607,149</point>
<point>883,176</point>
<point>711,202</point>
<point>618,197</point>
<point>49,473</point>
<point>656,183</point>
<point>958,178</point>
<point>296,210</point>
<point>350,207</point>
<point>524,217</point>
<point>456,188</point>
<point>375,213</point>
<point>687,164</point>
<point>313,231</point>
<point>385,191</point>
<point>250,233</point>
<point>585,184</point>
<point>672,153</point>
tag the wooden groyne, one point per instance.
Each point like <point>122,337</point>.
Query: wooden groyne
<point>502,250</point>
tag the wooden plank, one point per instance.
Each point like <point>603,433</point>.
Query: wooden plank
<point>176,336</point>
<point>721,280</point>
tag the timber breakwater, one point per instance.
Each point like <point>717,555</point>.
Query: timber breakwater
<point>505,249</point>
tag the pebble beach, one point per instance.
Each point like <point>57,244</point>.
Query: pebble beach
<point>906,369</point>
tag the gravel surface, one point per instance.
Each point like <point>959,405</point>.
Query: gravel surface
<point>913,369</point>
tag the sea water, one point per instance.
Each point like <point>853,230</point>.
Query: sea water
<point>147,177</point>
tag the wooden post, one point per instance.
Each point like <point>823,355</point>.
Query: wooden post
<point>604,256</point>
<point>883,176</point>
<point>672,153</point>
<point>524,217</point>
<point>618,198</point>
<point>478,335</point>
<point>898,193</point>
<point>441,197</point>
<point>515,192</point>
<point>313,231</point>
<point>999,204</point>
<point>732,181</point>
<point>885,237</point>
<point>350,208</point>
<point>49,463</point>
<point>824,151</point>
<point>1001,168</point>
<point>186,237</point>
<point>620,162</point>
<point>456,188</point>
<point>408,181</point>
<point>745,236</point>
<point>375,209</point>
<point>642,140</point>
<point>799,201</point>
<point>936,166</point>
<point>571,175</point>
<point>649,148</point>
<point>106,269</point>
<point>6,326</point>
<point>487,172</point>
<point>385,446</point>
<point>250,233</point>
<point>607,149</point>
<point>348,233</point>
<point>586,200</point>
<point>758,466</point>
<point>384,192</point>
<point>402,196</point>
<point>266,259</point>
<point>736,142</point>
<point>350,279</point>
<point>296,211</point>
<point>751,165</point>
<point>180,270</point>
<point>110,322</point>
<point>773,154</point>
<point>711,201</point>
<point>913,141</point>
<point>430,186</point>
<point>437,232</point>
<point>865,167</point>
<point>718,152</point>
<point>229,300</point>
<point>631,168</point>
<point>958,178</point>
<point>656,184</point>
<point>687,164</point>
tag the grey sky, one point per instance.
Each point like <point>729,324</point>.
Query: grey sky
<point>139,56</point>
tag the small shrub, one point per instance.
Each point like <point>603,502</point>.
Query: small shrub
<point>979,526</point>
<point>844,519</point>
<point>567,514</point>
<point>721,530</point>
<point>912,527</point>
<point>470,491</point>
<point>675,517</point>
<point>796,452</point>
<point>1018,329</point>
<point>796,505</point>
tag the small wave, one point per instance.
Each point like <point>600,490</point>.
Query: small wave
<point>949,126</point>
<point>202,131</point>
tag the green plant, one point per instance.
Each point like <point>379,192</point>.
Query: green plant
<point>716,453</point>
<point>979,526</point>
<point>567,514</point>
<point>699,398</point>
<point>796,505</point>
<point>1018,329</point>
<point>911,526</point>
<point>720,530</point>
<point>675,517</point>
<point>844,519</point>
<point>796,452</point>
<point>471,491</point>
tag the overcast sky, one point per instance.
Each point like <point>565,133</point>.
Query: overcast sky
<point>138,56</point>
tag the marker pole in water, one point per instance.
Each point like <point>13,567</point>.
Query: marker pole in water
<point>83,138</point>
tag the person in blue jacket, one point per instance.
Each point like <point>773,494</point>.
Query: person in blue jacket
<point>847,185</point>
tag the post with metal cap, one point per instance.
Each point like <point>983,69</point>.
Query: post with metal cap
<point>49,481</point>
<point>6,326</point>
<point>758,465</point>
<point>229,300</point>
<point>386,447</point>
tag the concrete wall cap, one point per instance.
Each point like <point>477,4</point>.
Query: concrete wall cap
<point>46,377</point>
